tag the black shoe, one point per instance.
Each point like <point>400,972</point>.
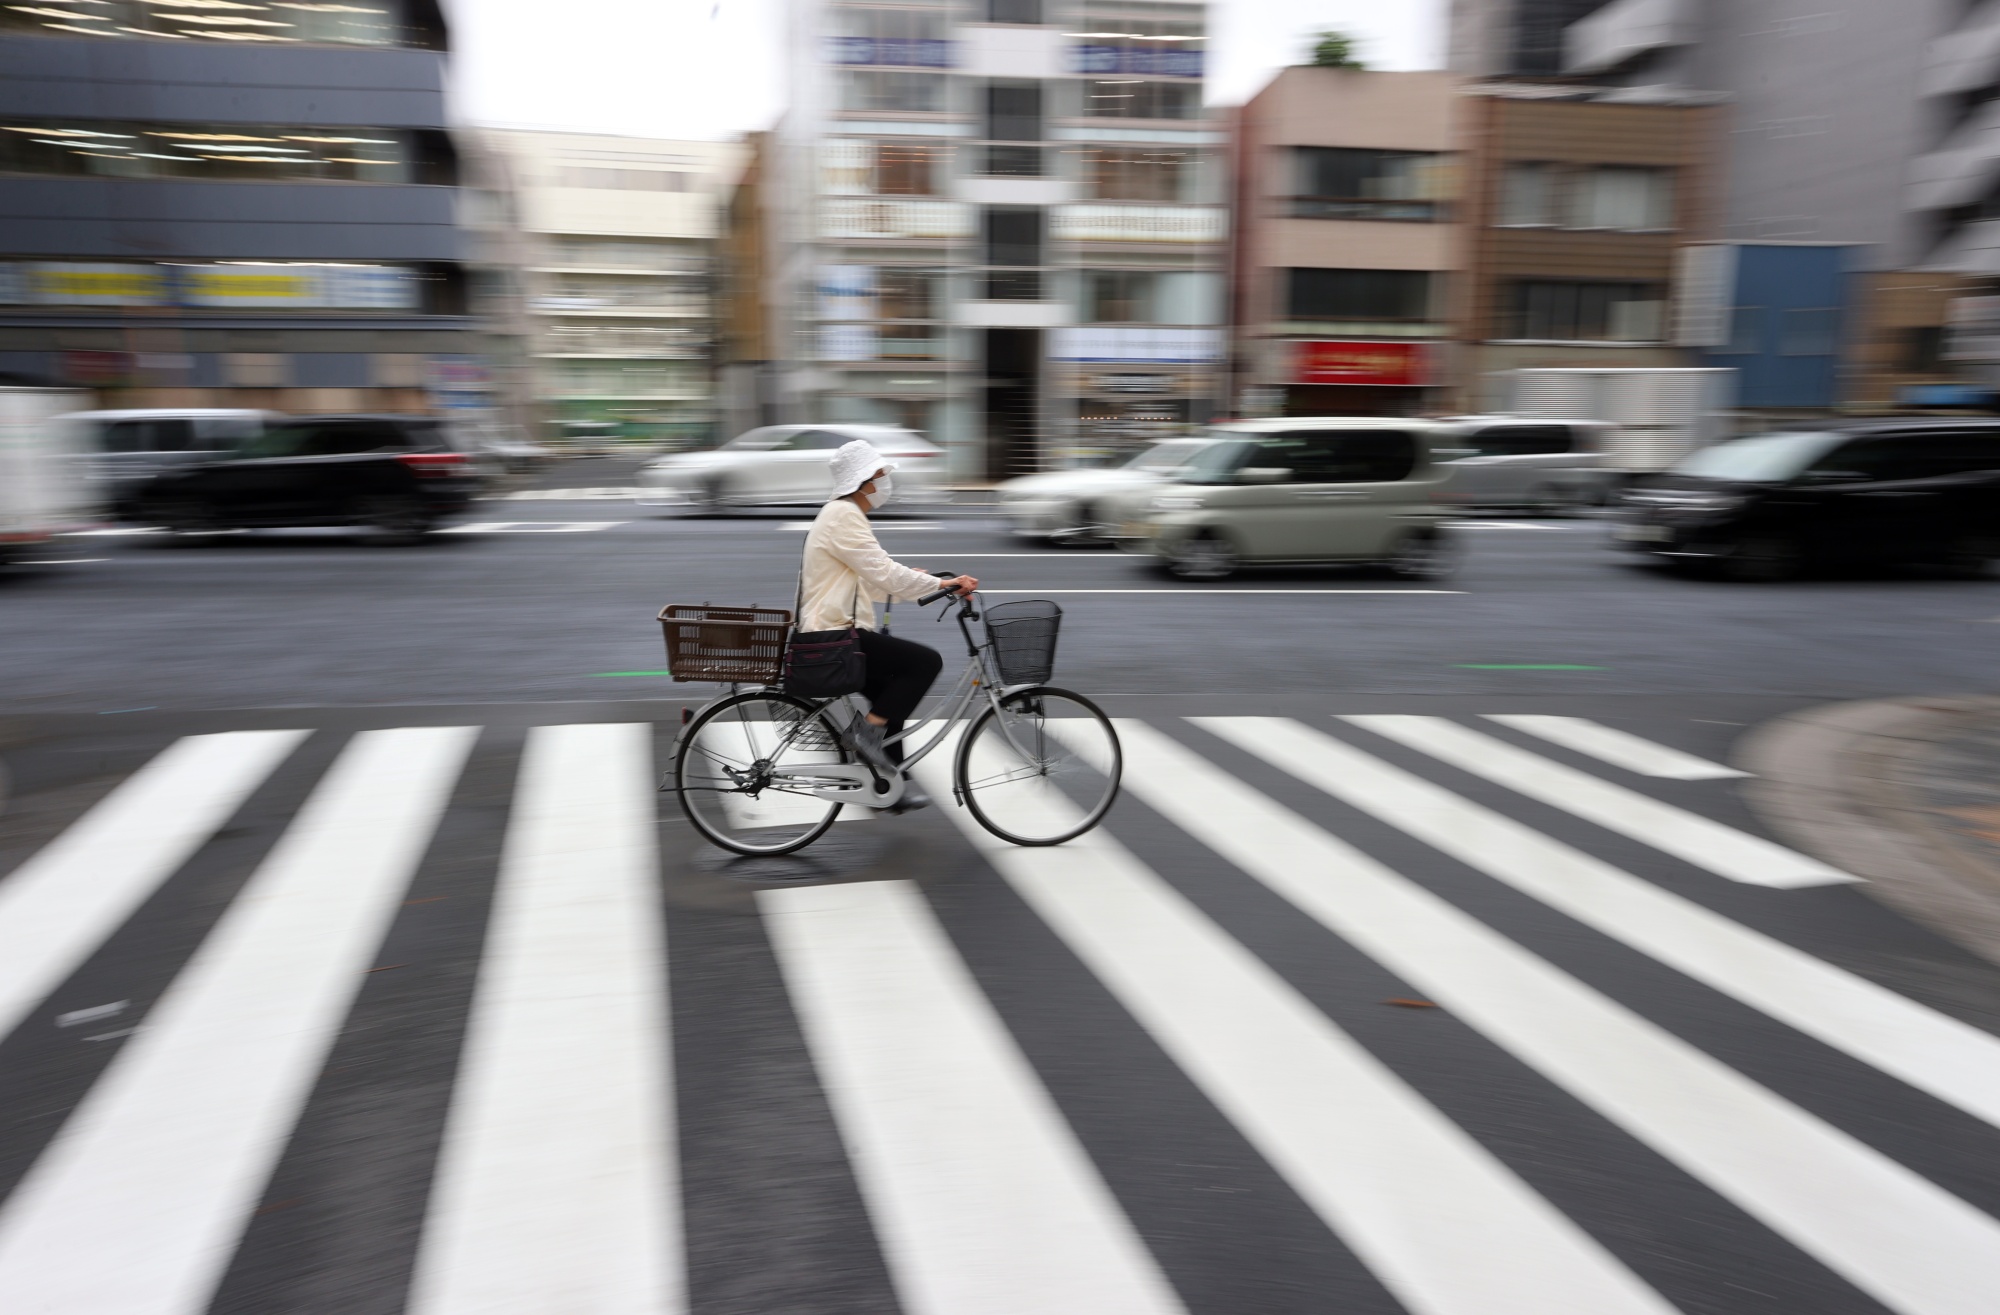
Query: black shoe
<point>866,739</point>
<point>912,800</point>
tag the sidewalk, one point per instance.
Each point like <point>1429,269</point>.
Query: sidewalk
<point>1902,792</point>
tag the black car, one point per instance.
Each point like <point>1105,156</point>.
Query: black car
<point>398,474</point>
<point>1769,507</point>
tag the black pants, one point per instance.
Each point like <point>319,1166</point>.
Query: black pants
<point>900,673</point>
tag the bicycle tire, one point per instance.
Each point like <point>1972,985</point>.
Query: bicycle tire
<point>1106,770</point>
<point>710,823</point>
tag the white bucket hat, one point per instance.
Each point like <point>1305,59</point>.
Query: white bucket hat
<point>854,464</point>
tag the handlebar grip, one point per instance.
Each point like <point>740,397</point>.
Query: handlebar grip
<point>928,599</point>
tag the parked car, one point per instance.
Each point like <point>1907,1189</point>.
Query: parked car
<point>786,464</point>
<point>1515,464</point>
<point>1071,506</point>
<point>1768,508</point>
<point>399,474</point>
<point>123,450</point>
<point>1298,491</point>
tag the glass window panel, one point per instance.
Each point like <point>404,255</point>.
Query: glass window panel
<point>224,152</point>
<point>905,170</point>
<point>1579,311</point>
<point>1122,297</point>
<point>1139,174</point>
<point>1527,195</point>
<point>1358,294</point>
<point>277,22</point>
<point>882,91</point>
<point>1014,112</point>
<point>1129,98</point>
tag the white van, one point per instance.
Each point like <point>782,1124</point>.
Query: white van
<point>124,450</point>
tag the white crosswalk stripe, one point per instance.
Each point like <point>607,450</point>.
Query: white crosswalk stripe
<point>562,1102</point>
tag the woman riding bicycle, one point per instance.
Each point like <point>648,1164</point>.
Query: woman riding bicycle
<point>844,574</point>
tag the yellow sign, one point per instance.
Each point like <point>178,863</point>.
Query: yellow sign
<point>100,285</point>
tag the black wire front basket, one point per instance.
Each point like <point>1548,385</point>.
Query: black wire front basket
<point>1024,639</point>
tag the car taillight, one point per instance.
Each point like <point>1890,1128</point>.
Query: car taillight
<point>434,464</point>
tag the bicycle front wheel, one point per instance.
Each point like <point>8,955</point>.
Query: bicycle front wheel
<point>742,769</point>
<point>1042,769</point>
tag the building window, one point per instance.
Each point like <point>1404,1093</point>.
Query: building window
<point>1809,332</point>
<point>1338,183</point>
<point>1111,42</point>
<point>1618,197</point>
<point>1358,294</point>
<point>1121,297</point>
<point>616,253</point>
<point>1014,112</point>
<point>228,152</point>
<point>905,170</point>
<point>276,23</point>
<point>899,38</point>
<point>1528,196</point>
<point>1922,349</point>
<point>907,294</point>
<point>1013,235</point>
<point>1138,174</point>
<point>1570,311</point>
<point>1132,98</point>
<point>1534,194</point>
<point>882,92</point>
<point>1014,11</point>
<point>1012,162</point>
<point>623,180</point>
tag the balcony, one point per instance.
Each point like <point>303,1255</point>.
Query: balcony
<point>1968,57</point>
<point>1962,169</point>
<point>1624,31</point>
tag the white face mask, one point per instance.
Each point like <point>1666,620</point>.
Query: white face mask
<point>884,486</point>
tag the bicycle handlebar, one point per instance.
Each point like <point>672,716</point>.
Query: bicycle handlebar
<point>928,599</point>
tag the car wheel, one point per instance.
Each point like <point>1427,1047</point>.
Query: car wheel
<point>1423,555</point>
<point>399,518</point>
<point>707,500</point>
<point>1203,557</point>
<point>1764,559</point>
<point>1083,529</point>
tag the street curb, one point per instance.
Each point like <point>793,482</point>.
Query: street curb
<point>1835,782</point>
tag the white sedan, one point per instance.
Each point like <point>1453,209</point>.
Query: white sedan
<point>1068,505</point>
<point>786,464</point>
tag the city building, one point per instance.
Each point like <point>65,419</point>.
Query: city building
<point>606,250</point>
<point>1576,202</point>
<point>747,354</point>
<point>1775,313</point>
<point>255,207</point>
<point>1512,38</point>
<point>1000,224</point>
<point>1346,242</point>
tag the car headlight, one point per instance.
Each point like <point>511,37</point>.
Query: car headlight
<point>1176,502</point>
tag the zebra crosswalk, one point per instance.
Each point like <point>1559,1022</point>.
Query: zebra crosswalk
<point>1645,1061</point>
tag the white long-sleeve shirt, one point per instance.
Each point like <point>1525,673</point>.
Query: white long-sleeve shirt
<point>845,566</point>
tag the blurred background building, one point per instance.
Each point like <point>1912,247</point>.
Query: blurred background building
<point>999,224</point>
<point>1346,243</point>
<point>599,256</point>
<point>245,205</point>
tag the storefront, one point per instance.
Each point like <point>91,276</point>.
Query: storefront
<point>1344,378</point>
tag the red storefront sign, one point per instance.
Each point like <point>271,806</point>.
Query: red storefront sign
<point>1395,363</point>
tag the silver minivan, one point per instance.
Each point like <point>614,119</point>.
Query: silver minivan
<point>124,450</point>
<point>1298,491</point>
<point>1518,463</point>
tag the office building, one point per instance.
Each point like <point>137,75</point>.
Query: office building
<point>606,251</point>
<point>1512,38</point>
<point>1000,224</point>
<point>242,205</point>
<point>1346,243</point>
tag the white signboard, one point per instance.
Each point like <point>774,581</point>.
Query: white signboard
<point>1152,346</point>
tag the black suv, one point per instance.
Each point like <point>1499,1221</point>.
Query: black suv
<point>399,474</point>
<point>1766,508</point>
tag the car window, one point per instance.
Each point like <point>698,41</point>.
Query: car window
<point>1927,456</point>
<point>125,436</point>
<point>1216,463</point>
<point>1169,455</point>
<point>275,441</point>
<point>814,440</point>
<point>1347,456</point>
<point>1766,457</point>
<point>1520,440</point>
<point>757,440</point>
<point>1870,458</point>
<point>349,440</point>
<point>219,433</point>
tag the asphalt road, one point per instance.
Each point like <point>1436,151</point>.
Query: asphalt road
<point>1361,1000</point>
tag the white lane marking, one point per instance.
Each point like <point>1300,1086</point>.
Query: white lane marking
<point>137,1206</point>
<point>1952,1061</point>
<point>983,1199</point>
<point>1691,837</point>
<point>1908,1243</point>
<point>1619,748</point>
<point>530,527</point>
<point>57,908</point>
<point>984,590</point>
<point>557,1188</point>
<point>1445,1226</point>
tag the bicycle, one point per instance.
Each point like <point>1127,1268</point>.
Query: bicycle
<point>762,772</point>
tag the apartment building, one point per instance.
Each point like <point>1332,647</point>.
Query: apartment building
<point>608,248</point>
<point>1000,223</point>
<point>1576,203</point>
<point>1346,243</point>
<point>193,217</point>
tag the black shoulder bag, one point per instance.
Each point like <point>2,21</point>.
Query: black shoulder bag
<point>825,664</point>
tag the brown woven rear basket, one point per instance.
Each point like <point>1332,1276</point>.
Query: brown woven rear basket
<point>733,645</point>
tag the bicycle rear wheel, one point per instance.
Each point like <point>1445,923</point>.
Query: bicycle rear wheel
<point>729,763</point>
<point>1042,770</point>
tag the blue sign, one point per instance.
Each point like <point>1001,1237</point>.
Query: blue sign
<point>1156,61</point>
<point>895,52</point>
<point>1946,395</point>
